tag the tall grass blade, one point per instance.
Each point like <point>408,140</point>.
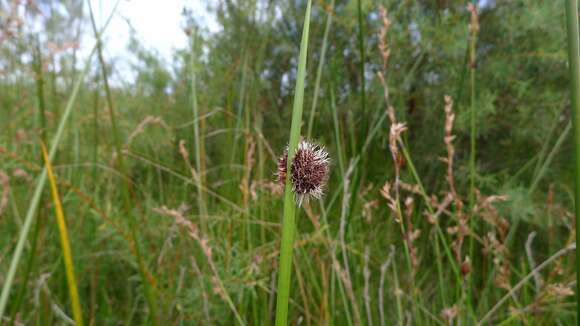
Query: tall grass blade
<point>288,223</point>
<point>196,134</point>
<point>36,197</point>
<point>64,241</point>
<point>39,72</point>
<point>127,195</point>
<point>9,280</point>
<point>337,137</point>
<point>361,44</point>
<point>473,28</point>
<point>544,167</point>
<point>472,116</point>
<point>574,66</point>
<point>320,67</point>
<point>40,90</point>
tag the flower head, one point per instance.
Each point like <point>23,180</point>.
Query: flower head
<point>309,171</point>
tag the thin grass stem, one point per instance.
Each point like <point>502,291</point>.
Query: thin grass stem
<point>196,133</point>
<point>35,199</point>
<point>39,74</point>
<point>65,243</point>
<point>574,66</point>
<point>127,192</point>
<point>288,223</point>
<point>323,47</point>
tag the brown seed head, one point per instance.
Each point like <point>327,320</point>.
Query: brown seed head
<point>310,167</point>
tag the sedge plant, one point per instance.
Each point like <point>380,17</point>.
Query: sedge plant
<point>288,222</point>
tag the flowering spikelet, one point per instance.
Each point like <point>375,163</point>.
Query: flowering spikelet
<point>310,167</point>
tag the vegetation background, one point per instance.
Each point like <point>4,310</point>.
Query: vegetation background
<point>167,187</point>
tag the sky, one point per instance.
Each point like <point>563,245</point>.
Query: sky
<point>157,24</point>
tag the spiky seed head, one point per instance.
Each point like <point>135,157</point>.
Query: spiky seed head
<point>309,171</point>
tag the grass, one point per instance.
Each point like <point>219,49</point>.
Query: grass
<point>34,201</point>
<point>127,191</point>
<point>39,72</point>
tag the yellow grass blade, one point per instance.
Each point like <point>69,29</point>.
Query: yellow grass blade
<point>68,263</point>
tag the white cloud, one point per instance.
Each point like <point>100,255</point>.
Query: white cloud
<point>157,25</point>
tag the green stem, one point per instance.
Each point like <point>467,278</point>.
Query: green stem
<point>472,154</point>
<point>544,167</point>
<point>37,66</point>
<point>40,91</point>
<point>473,127</point>
<point>362,66</point>
<point>127,191</point>
<point>35,199</point>
<point>96,129</point>
<point>337,138</point>
<point>288,224</point>
<point>574,65</point>
<point>319,70</point>
<point>196,134</point>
